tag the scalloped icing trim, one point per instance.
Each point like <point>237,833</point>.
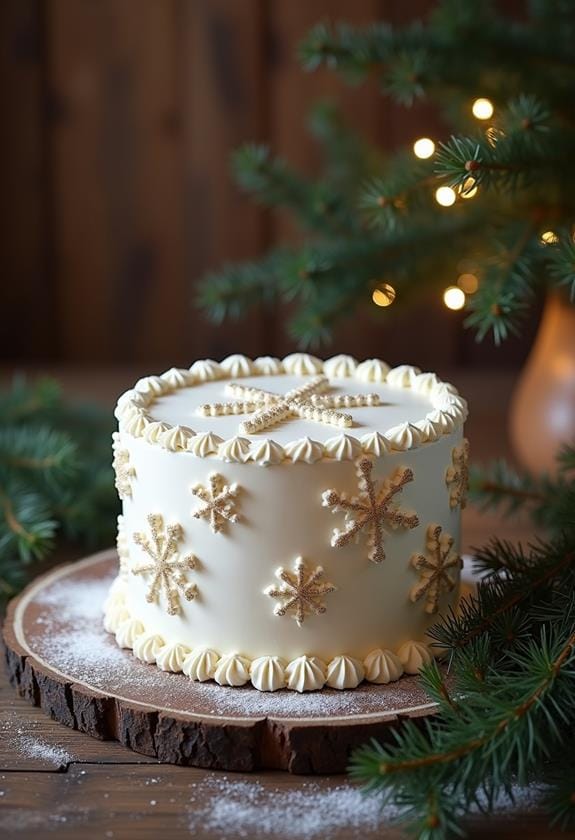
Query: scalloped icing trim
<point>265,673</point>
<point>448,410</point>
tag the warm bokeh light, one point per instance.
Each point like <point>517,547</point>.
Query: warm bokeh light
<point>423,148</point>
<point>468,188</point>
<point>445,196</point>
<point>493,135</point>
<point>468,283</point>
<point>454,297</point>
<point>549,237</point>
<point>384,295</point>
<point>482,109</point>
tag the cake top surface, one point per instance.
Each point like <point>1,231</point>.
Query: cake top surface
<point>298,408</point>
<point>396,406</point>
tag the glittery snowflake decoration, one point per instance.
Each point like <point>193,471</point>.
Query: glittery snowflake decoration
<point>167,568</point>
<point>122,468</point>
<point>269,408</point>
<point>434,569</point>
<point>372,510</point>
<point>301,592</point>
<point>218,502</point>
<point>457,475</point>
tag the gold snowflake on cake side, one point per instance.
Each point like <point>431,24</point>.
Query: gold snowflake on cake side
<point>269,408</point>
<point>372,510</point>
<point>457,475</point>
<point>168,569</point>
<point>301,592</point>
<point>434,569</point>
<point>122,468</point>
<point>218,502</point>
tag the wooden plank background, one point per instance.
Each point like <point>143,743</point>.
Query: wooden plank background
<point>119,120</point>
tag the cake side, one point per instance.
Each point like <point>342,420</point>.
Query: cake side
<point>326,564</point>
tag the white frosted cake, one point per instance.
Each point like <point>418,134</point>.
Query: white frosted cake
<point>294,524</point>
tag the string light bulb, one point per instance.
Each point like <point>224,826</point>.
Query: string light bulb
<point>454,298</point>
<point>482,109</point>
<point>549,237</point>
<point>445,196</point>
<point>384,295</point>
<point>468,283</point>
<point>423,148</point>
<point>468,188</point>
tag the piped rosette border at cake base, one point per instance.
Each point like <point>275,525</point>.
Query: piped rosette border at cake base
<point>265,673</point>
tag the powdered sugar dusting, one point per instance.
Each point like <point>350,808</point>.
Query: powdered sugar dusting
<point>76,600</point>
<point>248,809</point>
<point>238,808</point>
<point>25,744</point>
<point>37,748</point>
<point>67,632</point>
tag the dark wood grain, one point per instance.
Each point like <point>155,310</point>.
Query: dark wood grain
<point>117,165</point>
<point>99,789</point>
<point>224,93</point>
<point>28,327</point>
<point>121,117</point>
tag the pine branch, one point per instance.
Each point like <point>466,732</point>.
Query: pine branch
<point>55,478</point>
<point>39,453</point>
<point>315,205</point>
<point>501,487</point>
<point>437,773</point>
<point>506,286</point>
<point>388,199</point>
<point>24,402</point>
<point>566,458</point>
<point>236,288</point>
<point>561,260</point>
<point>499,726</point>
<point>348,159</point>
<point>517,167</point>
<point>496,597</point>
<point>437,54</point>
<point>549,500</point>
<point>334,276</point>
<point>27,528</point>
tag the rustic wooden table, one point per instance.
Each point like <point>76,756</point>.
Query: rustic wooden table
<point>59,782</point>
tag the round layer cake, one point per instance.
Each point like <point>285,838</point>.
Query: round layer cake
<point>291,523</point>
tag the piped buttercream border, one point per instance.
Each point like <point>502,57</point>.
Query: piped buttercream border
<point>448,410</point>
<point>265,673</point>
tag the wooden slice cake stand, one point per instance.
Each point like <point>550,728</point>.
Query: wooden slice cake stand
<point>60,658</point>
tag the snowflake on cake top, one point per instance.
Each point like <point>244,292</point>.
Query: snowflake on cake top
<point>167,568</point>
<point>268,408</point>
<point>301,592</point>
<point>372,510</point>
<point>218,502</point>
<point>435,568</point>
<point>122,468</point>
<point>457,475</point>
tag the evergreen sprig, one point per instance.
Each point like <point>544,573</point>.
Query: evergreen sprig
<point>562,262</point>
<point>56,479</point>
<point>484,737</point>
<point>550,500</point>
<point>506,702</point>
<point>512,174</point>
